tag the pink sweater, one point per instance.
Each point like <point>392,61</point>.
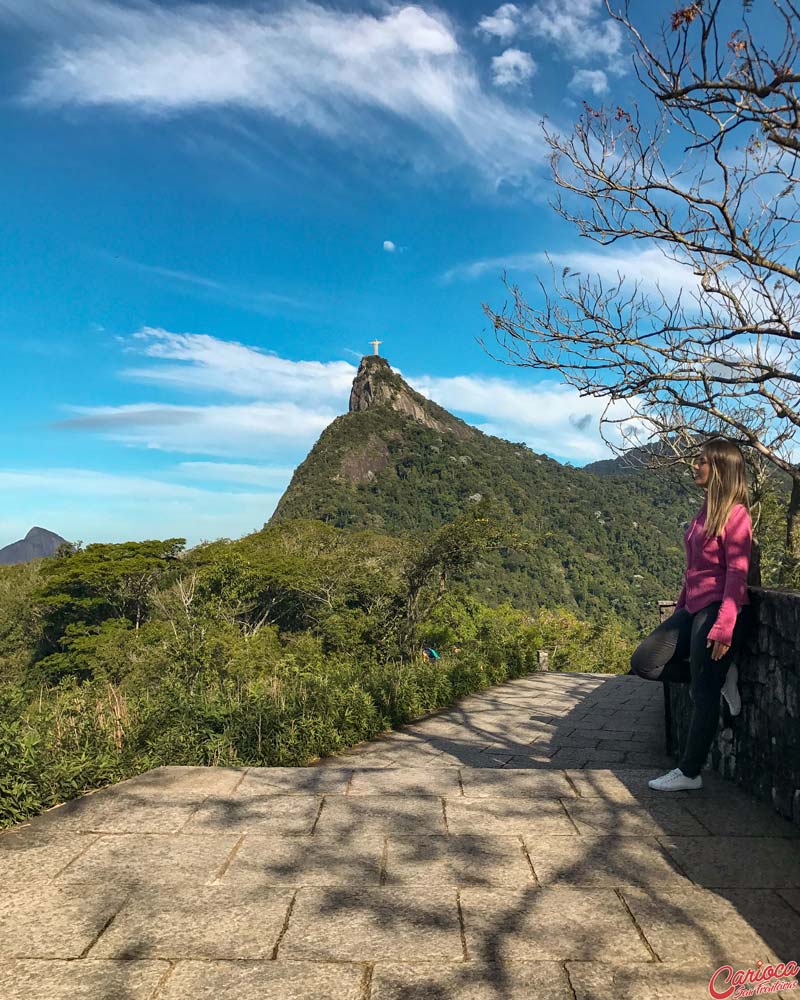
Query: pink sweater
<point>716,569</point>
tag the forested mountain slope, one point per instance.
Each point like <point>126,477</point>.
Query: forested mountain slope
<point>399,463</point>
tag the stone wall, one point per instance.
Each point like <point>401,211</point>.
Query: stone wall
<point>760,748</point>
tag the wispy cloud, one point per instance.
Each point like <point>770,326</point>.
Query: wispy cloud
<point>475,268</point>
<point>231,472</point>
<point>315,67</point>
<point>83,504</point>
<point>285,404</point>
<point>579,29</point>
<point>252,430</point>
<point>255,300</point>
<point>649,267</point>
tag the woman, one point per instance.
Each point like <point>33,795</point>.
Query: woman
<point>706,625</point>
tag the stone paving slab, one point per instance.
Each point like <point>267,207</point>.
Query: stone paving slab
<point>597,860</point>
<point>159,801</point>
<point>457,861</point>
<point>792,897</point>
<point>737,862</point>
<point>122,814</point>
<point>459,757</point>
<point>56,922</point>
<point>283,814</point>
<point>210,922</point>
<point>133,859</point>
<point>551,784</point>
<point>31,979</point>
<point>739,816</point>
<point>410,924</point>
<point>265,981</point>
<point>406,781</point>
<point>369,814</point>
<point>183,780</point>
<point>549,924</point>
<point>26,858</point>
<point>471,981</point>
<point>535,817</point>
<point>306,861</point>
<point>631,819</point>
<point>315,781</point>
<point>596,981</point>
<point>700,926</point>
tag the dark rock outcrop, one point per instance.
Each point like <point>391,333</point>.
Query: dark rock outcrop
<point>376,384</point>
<point>37,544</point>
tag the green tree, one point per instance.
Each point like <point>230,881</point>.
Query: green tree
<point>81,590</point>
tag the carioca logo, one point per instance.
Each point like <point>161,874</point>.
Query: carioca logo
<point>727,982</point>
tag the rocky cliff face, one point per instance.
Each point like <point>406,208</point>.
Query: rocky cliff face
<point>37,544</point>
<point>376,384</point>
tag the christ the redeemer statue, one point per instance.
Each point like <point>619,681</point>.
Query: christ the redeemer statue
<point>375,344</point>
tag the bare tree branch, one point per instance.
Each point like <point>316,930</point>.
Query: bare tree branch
<point>709,175</point>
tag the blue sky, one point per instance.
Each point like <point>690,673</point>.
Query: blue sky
<point>207,211</point>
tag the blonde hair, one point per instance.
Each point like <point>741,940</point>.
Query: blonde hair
<point>727,483</point>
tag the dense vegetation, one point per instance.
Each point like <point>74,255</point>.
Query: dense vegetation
<point>288,644</point>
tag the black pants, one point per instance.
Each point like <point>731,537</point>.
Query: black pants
<point>662,657</point>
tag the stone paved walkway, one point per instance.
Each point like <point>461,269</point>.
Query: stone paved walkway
<point>508,847</point>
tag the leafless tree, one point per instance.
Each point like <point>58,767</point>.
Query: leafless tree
<point>706,171</point>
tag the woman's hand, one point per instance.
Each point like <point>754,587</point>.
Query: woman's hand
<point>719,650</point>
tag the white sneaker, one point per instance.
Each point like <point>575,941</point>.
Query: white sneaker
<point>730,690</point>
<point>675,781</point>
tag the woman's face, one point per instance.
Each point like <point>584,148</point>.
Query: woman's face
<point>702,470</point>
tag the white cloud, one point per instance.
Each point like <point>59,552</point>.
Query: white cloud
<point>512,68</point>
<point>314,67</point>
<point>208,363</point>
<point>589,79</point>
<point>577,28</point>
<point>503,24</point>
<point>649,267</point>
<point>388,246</point>
<point>549,417</point>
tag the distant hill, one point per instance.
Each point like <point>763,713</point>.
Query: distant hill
<point>631,464</point>
<point>37,544</point>
<point>400,463</point>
